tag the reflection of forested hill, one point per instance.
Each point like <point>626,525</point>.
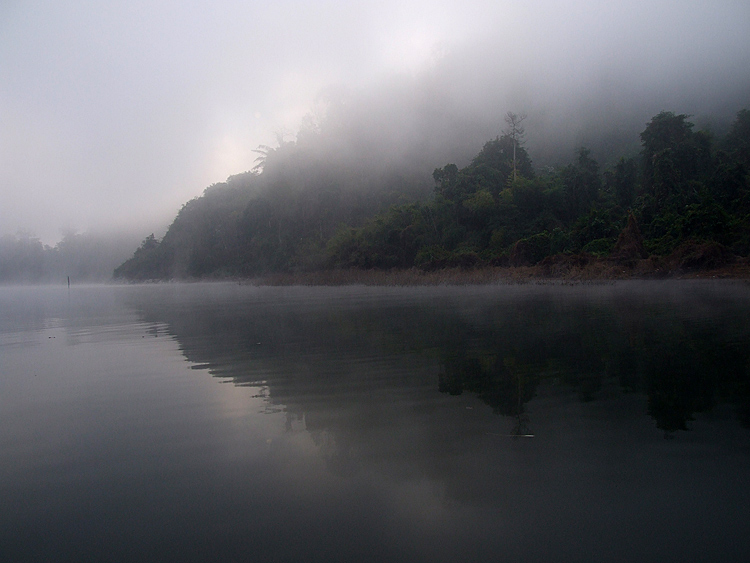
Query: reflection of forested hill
<point>686,196</point>
<point>686,351</point>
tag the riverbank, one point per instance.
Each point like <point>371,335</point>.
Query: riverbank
<point>562,268</point>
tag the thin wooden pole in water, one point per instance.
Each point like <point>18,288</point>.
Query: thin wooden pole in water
<point>68,282</point>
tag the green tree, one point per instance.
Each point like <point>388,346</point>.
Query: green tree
<point>737,141</point>
<point>581,183</point>
<point>673,157</point>
<point>625,180</point>
<point>500,155</point>
<point>516,132</point>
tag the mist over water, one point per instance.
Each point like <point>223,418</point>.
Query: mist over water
<point>187,422</point>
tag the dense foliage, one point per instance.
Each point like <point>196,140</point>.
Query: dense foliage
<point>305,211</point>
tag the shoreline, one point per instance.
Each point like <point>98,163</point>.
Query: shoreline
<point>594,270</point>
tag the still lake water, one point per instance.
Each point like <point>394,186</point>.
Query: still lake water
<point>217,422</point>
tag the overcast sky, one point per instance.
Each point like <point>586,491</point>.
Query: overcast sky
<point>113,114</point>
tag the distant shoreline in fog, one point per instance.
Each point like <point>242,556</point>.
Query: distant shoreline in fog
<point>563,269</point>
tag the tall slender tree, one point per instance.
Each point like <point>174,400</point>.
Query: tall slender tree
<point>515,131</point>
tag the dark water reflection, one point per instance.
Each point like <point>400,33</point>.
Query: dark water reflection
<point>522,423</point>
<point>684,347</point>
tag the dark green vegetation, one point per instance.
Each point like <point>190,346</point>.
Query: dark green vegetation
<point>685,191</point>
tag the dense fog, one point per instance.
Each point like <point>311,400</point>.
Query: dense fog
<point>116,115</point>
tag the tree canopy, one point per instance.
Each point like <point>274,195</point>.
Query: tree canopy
<point>303,211</point>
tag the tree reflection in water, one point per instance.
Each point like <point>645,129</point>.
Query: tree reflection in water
<point>684,365</point>
<point>686,350</point>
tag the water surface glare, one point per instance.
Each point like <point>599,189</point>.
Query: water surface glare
<point>219,422</point>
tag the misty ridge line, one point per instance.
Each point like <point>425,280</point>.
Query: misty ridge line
<point>301,210</point>
<point>383,176</point>
<point>185,101</point>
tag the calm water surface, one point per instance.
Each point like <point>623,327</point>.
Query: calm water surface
<point>231,423</point>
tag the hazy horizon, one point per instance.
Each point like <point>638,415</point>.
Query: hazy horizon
<point>115,115</point>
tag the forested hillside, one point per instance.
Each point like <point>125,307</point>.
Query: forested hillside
<point>302,211</point>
